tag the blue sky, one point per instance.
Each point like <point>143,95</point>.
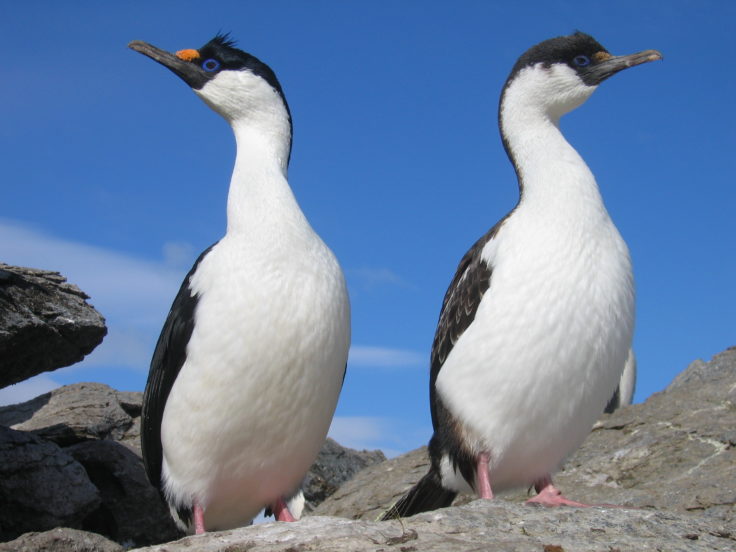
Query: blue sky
<point>116,174</point>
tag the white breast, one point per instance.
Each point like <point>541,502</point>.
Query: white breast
<point>253,402</point>
<point>550,338</point>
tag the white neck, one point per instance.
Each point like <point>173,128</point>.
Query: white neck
<point>551,172</point>
<point>260,199</point>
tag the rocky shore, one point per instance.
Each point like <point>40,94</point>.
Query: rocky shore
<point>72,479</point>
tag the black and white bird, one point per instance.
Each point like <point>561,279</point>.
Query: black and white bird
<point>536,326</point>
<point>250,362</point>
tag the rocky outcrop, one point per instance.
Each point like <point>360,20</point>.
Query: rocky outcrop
<point>479,526</point>
<point>61,539</point>
<point>72,458</point>
<point>675,452</point>
<point>334,466</point>
<point>88,436</point>
<point>93,431</point>
<point>75,413</point>
<point>41,486</point>
<point>45,323</point>
<point>670,460</point>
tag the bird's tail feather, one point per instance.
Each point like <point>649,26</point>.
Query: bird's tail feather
<point>428,494</point>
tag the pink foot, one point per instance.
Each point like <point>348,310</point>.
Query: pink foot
<point>281,511</point>
<point>482,481</point>
<point>198,519</point>
<point>551,496</point>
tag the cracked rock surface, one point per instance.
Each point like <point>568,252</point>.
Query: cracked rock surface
<point>93,432</point>
<point>478,526</point>
<point>671,460</point>
<point>45,323</point>
<point>676,452</point>
<point>61,539</point>
<point>92,476</point>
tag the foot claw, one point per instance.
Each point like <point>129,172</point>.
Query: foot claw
<point>550,495</point>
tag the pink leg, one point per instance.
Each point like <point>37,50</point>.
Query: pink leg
<point>549,495</point>
<point>198,519</point>
<point>482,481</point>
<point>281,511</point>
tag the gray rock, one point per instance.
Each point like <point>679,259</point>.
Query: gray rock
<point>334,466</point>
<point>370,492</point>
<point>41,486</point>
<point>61,539</point>
<point>131,509</point>
<point>45,323</point>
<point>71,414</point>
<point>91,422</point>
<point>674,452</point>
<point>481,526</point>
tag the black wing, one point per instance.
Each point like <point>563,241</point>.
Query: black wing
<point>472,279</point>
<point>168,358</point>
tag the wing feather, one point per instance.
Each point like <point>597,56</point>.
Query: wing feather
<point>168,358</point>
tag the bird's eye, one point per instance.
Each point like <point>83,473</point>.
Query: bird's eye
<point>210,65</point>
<point>581,61</point>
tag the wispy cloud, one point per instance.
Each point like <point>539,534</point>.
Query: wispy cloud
<point>27,390</point>
<point>391,436</point>
<point>370,278</point>
<point>384,357</point>
<point>133,294</point>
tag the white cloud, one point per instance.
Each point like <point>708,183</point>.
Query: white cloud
<point>123,347</point>
<point>132,294</point>
<point>124,283</point>
<point>27,390</point>
<point>369,278</point>
<point>384,357</point>
<point>178,254</point>
<point>359,432</point>
<point>370,433</point>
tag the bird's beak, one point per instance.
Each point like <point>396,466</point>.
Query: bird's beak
<point>183,66</point>
<point>608,65</point>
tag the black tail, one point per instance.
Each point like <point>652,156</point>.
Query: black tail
<point>428,494</point>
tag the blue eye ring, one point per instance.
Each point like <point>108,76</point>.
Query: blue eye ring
<point>210,65</point>
<point>581,61</point>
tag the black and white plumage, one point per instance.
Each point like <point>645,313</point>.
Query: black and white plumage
<point>536,326</point>
<point>250,362</point>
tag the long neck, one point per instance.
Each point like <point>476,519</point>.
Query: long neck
<point>549,170</point>
<point>260,199</point>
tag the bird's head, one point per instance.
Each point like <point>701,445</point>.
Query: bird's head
<point>234,83</point>
<point>559,74</point>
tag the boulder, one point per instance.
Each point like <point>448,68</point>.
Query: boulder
<point>334,466</point>
<point>61,539</point>
<point>676,452</point>
<point>45,323</point>
<point>479,526</point>
<point>131,509</point>
<point>41,486</point>
<point>98,430</point>
<point>72,414</point>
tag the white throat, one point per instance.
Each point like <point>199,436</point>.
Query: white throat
<point>260,200</point>
<point>550,170</point>
<point>260,197</point>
